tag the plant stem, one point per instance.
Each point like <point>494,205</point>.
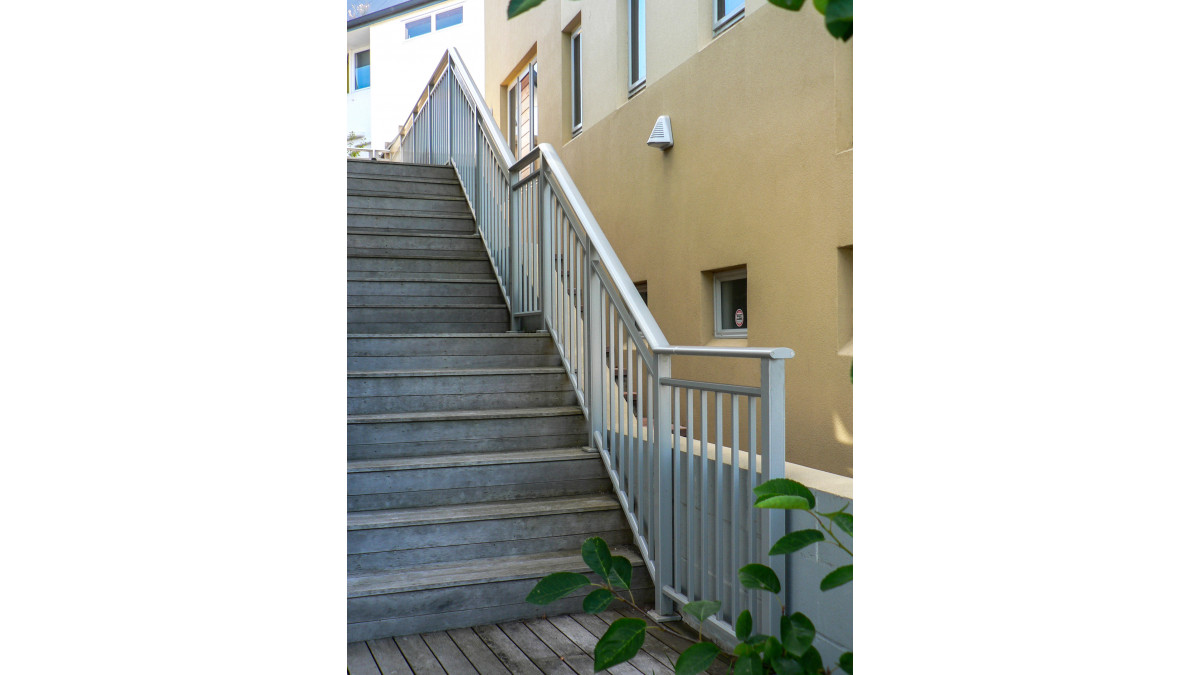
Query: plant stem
<point>831,534</point>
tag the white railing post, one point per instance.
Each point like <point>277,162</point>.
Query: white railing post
<point>512,257</point>
<point>544,236</point>
<point>449,112</point>
<point>773,458</point>
<point>594,359</point>
<point>664,534</point>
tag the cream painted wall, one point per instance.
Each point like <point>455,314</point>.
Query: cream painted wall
<point>400,68</point>
<point>760,176</point>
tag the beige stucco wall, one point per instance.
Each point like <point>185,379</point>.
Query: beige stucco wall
<point>760,176</point>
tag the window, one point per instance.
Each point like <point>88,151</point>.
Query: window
<point>637,44</point>
<point>362,69</point>
<point>642,291</point>
<point>418,27</point>
<point>730,313</point>
<point>576,83</point>
<point>449,18</point>
<point>522,111</point>
<point>725,12</point>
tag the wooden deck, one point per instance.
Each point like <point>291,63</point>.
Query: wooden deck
<point>560,645</point>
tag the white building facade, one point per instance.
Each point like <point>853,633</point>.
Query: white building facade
<point>388,57</point>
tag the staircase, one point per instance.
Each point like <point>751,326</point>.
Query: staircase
<point>468,476</point>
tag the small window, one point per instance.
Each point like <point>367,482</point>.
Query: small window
<point>362,69</point>
<point>576,83</point>
<point>725,12</point>
<point>637,44</point>
<point>522,111</point>
<point>421,26</point>
<point>449,18</point>
<point>730,313</point>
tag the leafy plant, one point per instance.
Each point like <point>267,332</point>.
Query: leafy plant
<point>792,653</point>
<point>355,143</point>
<point>839,14</point>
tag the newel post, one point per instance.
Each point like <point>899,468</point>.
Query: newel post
<point>594,349</point>
<point>664,467</point>
<point>774,444</point>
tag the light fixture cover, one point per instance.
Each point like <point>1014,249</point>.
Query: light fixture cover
<point>661,137</point>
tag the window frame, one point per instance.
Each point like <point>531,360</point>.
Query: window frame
<point>354,58</point>
<point>513,96</point>
<point>720,23</point>
<point>718,278</point>
<point>427,17</point>
<point>575,45</point>
<point>637,46</point>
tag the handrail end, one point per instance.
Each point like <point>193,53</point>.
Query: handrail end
<point>782,353</point>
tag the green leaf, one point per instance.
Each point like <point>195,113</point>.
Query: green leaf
<point>797,632</point>
<point>843,520</point>
<point>756,576</point>
<point>555,586</point>
<point>744,625</point>
<point>839,19</point>
<point>516,7</point>
<point>790,5</point>
<point>743,649</point>
<point>819,5</point>
<point>750,664</point>
<point>846,662</point>
<point>772,649</point>
<point>697,658</point>
<point>621,574</point>
<point>810,662</point>
<point>597,601</point>
<point>842,575</point>
<point>620,643</point>
<point>597,556</point>
<point>794,541</point>
<point>784,493</point>
<point>702,609</point>
<point>786,665</point>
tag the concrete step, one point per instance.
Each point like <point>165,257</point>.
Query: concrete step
<point>377,392</point>
<point>419,319</point>
<point>408,205</point>
<point>370,218</point>
<point>490,590</point>
<point>445,533</point>
<point>494,476</point>
<point>365,167</point>
<point>409,240</point>
<point>474,266</point>
<point>413,434</point>
<point>397,186</point>
<point>426,352</point>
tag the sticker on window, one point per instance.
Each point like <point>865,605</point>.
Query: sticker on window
<point>739,318</point>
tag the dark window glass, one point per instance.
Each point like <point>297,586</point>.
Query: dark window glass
<point>450,18</point>
<point>733,299</point>
<point>576,83</point>
<point>419,27</point>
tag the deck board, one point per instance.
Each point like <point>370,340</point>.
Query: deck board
<point>388,657</point>
<point>560,645</point>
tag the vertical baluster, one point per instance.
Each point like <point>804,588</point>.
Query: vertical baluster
<point>679,539</point>
<point>705,506</point>
<point>610,357</point>
<point>773,458</point>
<point>720,541</point>
<point>736,504</point>
<point>693,503</point>
<point>753,515</point>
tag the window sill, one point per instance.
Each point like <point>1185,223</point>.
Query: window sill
<point>637,88</point>
<point>728,21</point>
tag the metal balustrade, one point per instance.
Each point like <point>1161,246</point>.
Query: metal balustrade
<point>683,456</point>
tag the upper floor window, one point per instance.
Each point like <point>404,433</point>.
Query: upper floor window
<point>362,69</point>
<point>576,83</point>
<point>451,17</point>
<point>725,12</point>
<point>420,26</point>
<point>522,111</point>
<point>637,44</point>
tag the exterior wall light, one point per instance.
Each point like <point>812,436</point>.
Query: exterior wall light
<point>661,137</point>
